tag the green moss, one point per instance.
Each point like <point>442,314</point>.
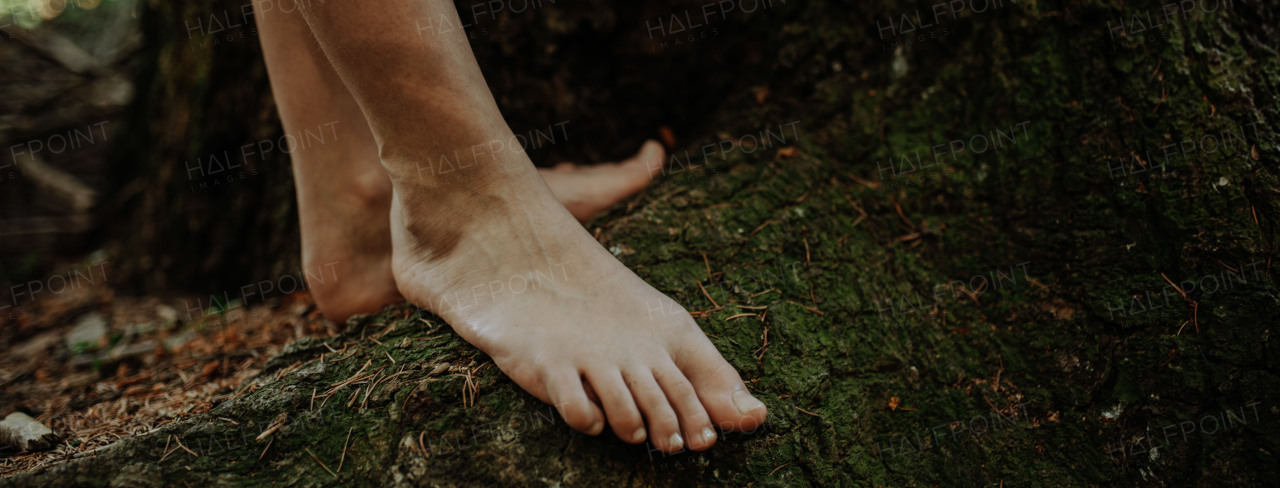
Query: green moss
<point>1046,356</point>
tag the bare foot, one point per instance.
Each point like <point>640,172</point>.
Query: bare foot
<point>349,228</point>
<point>500,259</point>
<point>344,193</point>
<point>346,235</point>
<point>513,272</point>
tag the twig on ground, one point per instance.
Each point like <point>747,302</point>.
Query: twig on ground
<point>178,440</point>
<point>326,468</point>
<point>264,450</point>
<point>806,307</point>
<point>167,452</point>
<point>808,412</point>
<point>772,290</point>
<point>708,295</point>
<point>275,425</point>
<point>765,339</point>
<point>344,449</point>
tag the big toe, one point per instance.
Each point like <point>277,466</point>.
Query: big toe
<point>651,158</point>
<point>614,182</point>
<point>723,394</point>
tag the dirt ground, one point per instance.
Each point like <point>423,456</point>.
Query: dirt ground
<point>98,368</point>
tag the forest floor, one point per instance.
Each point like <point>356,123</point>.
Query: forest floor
<point>1060,308</point>
<point>97,367</point>
<point>880,365</point>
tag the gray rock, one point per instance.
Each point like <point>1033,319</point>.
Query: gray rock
<point>89,329</point>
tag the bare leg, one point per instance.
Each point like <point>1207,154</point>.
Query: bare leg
<point>344,194</point>
<point>501,260</point>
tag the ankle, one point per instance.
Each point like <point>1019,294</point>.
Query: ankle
<point>474,187</point>
<point>370,190</point>
<point>468,156</point>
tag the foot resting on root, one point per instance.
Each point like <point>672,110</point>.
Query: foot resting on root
<point>582,335</point>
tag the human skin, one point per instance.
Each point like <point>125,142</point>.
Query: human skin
<point>579,333</point>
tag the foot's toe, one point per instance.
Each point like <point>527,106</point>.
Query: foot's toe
<point>619,408</point>
<point>650,159</point>
<point>664,426</point>
<point>721,390</point>
<point>564,389</point>
<point>586,191</point>
<point>695,425</point>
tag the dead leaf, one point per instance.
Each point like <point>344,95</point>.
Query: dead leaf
<point>668,137</point>
<point>762,93</point>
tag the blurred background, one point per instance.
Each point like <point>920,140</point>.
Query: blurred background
<point>128,208</point>
<point>154,98</point>
<point>68,80</point>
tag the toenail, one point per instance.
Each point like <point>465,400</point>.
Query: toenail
<point>676,440</point>
<point>745,402</point>
<point>708,435</point>
<point>596,427</point>
<point>638,435</point>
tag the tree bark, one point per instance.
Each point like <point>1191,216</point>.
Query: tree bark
<point>1038,312</point>
<point>211,197</point>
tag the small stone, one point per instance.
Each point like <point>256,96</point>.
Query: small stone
<point>312,371</point>
<point>25,433</point>
<point>621,250</point>
<point>167,313</point>
<point>89,330</point>
<point>176,341</point>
